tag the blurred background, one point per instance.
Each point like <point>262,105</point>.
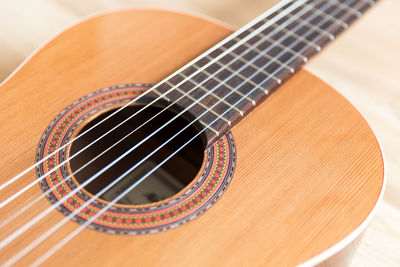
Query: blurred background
<point>363,65</point>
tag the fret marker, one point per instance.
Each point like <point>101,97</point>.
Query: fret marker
<point>332,37</point>
<point>228,86</point>
<point>305,59</point>
<point>266,55</point>
<point>279,81</point>
<point>291,70</point>
<point>318,48</point>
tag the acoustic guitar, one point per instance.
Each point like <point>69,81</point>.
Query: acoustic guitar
<point>155,138</point>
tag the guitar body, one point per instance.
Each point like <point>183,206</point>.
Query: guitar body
<point>308,174</point>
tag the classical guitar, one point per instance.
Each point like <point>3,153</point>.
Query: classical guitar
<point>155,138</point>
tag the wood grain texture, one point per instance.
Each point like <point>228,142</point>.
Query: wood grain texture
<point>296,182</point>
<point>370,80</point>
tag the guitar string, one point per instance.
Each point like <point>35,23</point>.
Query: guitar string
<point>225,112</point>
<point>24,189</point>
<point>212,49</point>
<point>48,210</point>
<point>32,202</point>
<point>69,237</point>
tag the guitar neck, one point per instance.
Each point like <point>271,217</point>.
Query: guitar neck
<point>228,81</point>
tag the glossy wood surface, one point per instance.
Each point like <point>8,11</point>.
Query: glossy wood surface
<point>302,183</point>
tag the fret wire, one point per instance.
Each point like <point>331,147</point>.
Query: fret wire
<point>225,67</point>
<point>234,72</point>
<point>311,26</point>
<point>285,48</point>
<point>275,71</point>
<point>267,55</point>
<point>319,24</point>
<point>329,17</point>
<point>254,66</point>
<point>227,85</point>
<point>238,74</point>
<point>213,94</point>
<point>198,102</point>
<point>320,36</point>
<point>249,36</point>
<point>291,51</point>
<point>289,47</point>
<point>301,38</point>
<point>209,127</point>
<point>267,39</point>
<point>284,24</point>
<point>346,7</point>
<point>161,95</point>
<point>334,13</point>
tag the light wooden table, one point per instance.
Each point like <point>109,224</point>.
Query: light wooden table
<point>363,65</point>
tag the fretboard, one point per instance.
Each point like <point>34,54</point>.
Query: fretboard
<point>224,84</point>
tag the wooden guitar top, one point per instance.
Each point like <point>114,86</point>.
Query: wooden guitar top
<point>308,175</point>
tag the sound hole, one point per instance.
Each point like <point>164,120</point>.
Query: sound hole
<point>150,136</point>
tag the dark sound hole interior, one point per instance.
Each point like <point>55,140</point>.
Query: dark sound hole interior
<point>170,178</point>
